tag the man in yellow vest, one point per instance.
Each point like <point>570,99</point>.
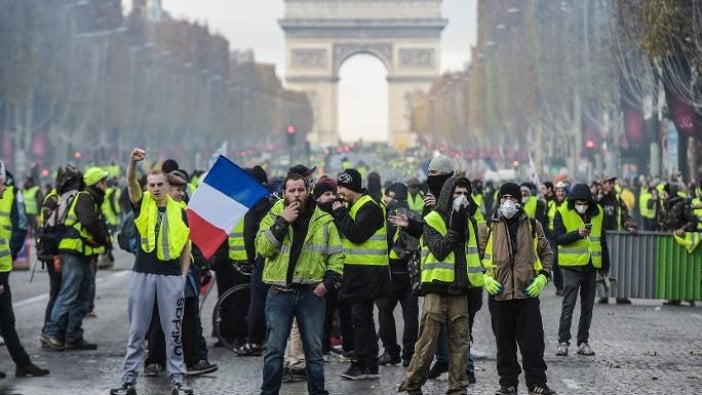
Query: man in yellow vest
<point>415,197</point>
<point>304,258</point>
<point>517,261</point>
<point>649,208</point>
<point>10,233</point>
<point>533,206</point>
<point>366,274</point>
<point>450,258</point>
<point>32,200</point>
<point>86,237</point>
<point>158,276</point>
<point>582,251</point>
<point>553,206</point>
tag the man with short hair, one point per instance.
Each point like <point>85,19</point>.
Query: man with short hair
<point>303,259</point>
<point>366,274</point>
<point>85,238</point>
<point>158,275</point>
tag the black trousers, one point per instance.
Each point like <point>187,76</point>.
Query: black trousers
<point>333,304</point>
<point>256,318</point>
<point>233,324</point>
<point>54,287</point>
<point>365,340</point>
<point>575,281</point>
<point>7,324</point>
<point>556,270</point>
<point>518,322</point>
<point>194,346</point>
<point>400,291</point>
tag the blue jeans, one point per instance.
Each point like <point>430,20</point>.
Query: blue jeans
<point>281,307</point>
<point>441,354</point>
<point>73,299</point>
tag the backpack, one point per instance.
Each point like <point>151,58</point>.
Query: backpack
<point>54,228</point>
<point>128,237</point>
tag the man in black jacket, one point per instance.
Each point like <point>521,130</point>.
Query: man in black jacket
<point>366,277</point>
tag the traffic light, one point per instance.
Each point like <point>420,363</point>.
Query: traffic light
<point>290,132</point>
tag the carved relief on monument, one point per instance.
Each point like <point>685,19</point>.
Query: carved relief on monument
<point>343,51</point>
<point>417,58</point>
<point>363,9</point>
<point>308,58</point>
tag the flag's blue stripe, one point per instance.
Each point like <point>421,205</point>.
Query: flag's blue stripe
<point>235,182</point>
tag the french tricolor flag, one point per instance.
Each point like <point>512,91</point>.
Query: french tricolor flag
<point>221,200</point>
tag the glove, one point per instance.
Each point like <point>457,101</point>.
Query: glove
<point>536,285</point>
<point>493,286</point>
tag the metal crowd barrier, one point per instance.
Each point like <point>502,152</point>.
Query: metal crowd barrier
<point>652,265</point>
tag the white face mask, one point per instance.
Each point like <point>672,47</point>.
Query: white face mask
<point>508,209</point>
<point>581,208</point>
<point>459,202</point>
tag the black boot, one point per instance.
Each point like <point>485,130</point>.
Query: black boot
<point>30,369</point>
<point>2,374</point>
<point>437,369</point>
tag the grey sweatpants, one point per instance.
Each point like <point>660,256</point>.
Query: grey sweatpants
<point>167,291</point>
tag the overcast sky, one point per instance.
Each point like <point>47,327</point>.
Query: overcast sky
<point>254,24</point>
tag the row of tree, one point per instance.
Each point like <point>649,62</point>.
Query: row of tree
<point>79,79</point>
<point>577,82</point>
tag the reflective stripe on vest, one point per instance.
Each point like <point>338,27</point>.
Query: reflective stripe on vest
<point>372,252</point>
<point>433,270</point>
<point>237,249</point>
<point>580,252</point>
<point>173,232</point>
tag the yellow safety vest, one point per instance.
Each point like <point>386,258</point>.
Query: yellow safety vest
<point>6,229</point>
<point>581,252</point>
<point>322,250</point>
<point>479,217</point>
<point>173,234</point>
<point>237,250</point>
<point>698,212</point>
<point>434,271</point>
<point>30,200</point>
<point>416,203</point>
<point>372,252</point>
<point>77,239</point>
<point>530,207</point>
<point>488,261</point>
<point>643,206</point>
<point>553,207</point>
<point>110,210</point>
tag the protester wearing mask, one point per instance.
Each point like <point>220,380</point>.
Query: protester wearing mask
<point>582,250</point>
<point>517,261</point>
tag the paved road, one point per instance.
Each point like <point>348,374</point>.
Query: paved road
<point>641,349</point>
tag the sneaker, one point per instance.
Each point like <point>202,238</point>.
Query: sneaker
<point>181,389</point>
<point>124,389</point>
<point>202,367</point>
<point>248,350</point>
<point>348,356</point>
<point>90,314</point>
<point>372,373</point>
<point>287,376</point>
<point>507,390</point>
<point>671,303</point>
<point>437,369</point>
<point>562,350</point>
<point>541,389</point>
<point>471,377</point>
<point>387,359</point>
<point>81,345</point>
<point>603,300</point>
<point>30,370</point>
<point>584,349</point>
<point>52,342</point>
<point>153,370</point>
<point>298,374</point>
<point>354,372</point>
<point>409,392</point>
<point>623,301</point>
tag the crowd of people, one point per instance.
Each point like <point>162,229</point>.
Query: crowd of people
<point>321,255</point>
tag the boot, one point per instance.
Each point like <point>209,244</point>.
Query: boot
<point>30,369</point>
<point>2,374</point>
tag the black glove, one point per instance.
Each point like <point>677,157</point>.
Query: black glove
<point>459,221</point>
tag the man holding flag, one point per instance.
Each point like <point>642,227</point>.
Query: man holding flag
<point>158,276</point>
<point>303,259</point>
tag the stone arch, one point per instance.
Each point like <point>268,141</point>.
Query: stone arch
<point>320,35</point>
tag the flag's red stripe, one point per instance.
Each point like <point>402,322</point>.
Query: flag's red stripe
<point>205,235</point>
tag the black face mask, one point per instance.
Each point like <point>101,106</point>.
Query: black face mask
<point>326,207</point>
<point>436,182</point>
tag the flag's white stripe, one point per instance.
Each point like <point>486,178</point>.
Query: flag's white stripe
<point>217,208</point>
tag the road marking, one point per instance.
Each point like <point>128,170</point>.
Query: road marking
<point>572,384</point>
<point>46,295</point>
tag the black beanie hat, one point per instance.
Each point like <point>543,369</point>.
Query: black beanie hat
<point>351,179</point>
<point>511,189</point>
<point>259,174</point>
<point>322,187</point>
<point>397,191</point>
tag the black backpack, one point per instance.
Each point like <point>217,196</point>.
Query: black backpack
<point>54,228</point>
<point>128,237</point>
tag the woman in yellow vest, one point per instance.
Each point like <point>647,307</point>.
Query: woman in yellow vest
<point>582,251</point>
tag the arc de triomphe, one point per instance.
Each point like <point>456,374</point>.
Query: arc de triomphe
<point>320,35</point>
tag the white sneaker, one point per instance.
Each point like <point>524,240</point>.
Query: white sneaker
<point>562,350</point>
<point>584,349</point>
